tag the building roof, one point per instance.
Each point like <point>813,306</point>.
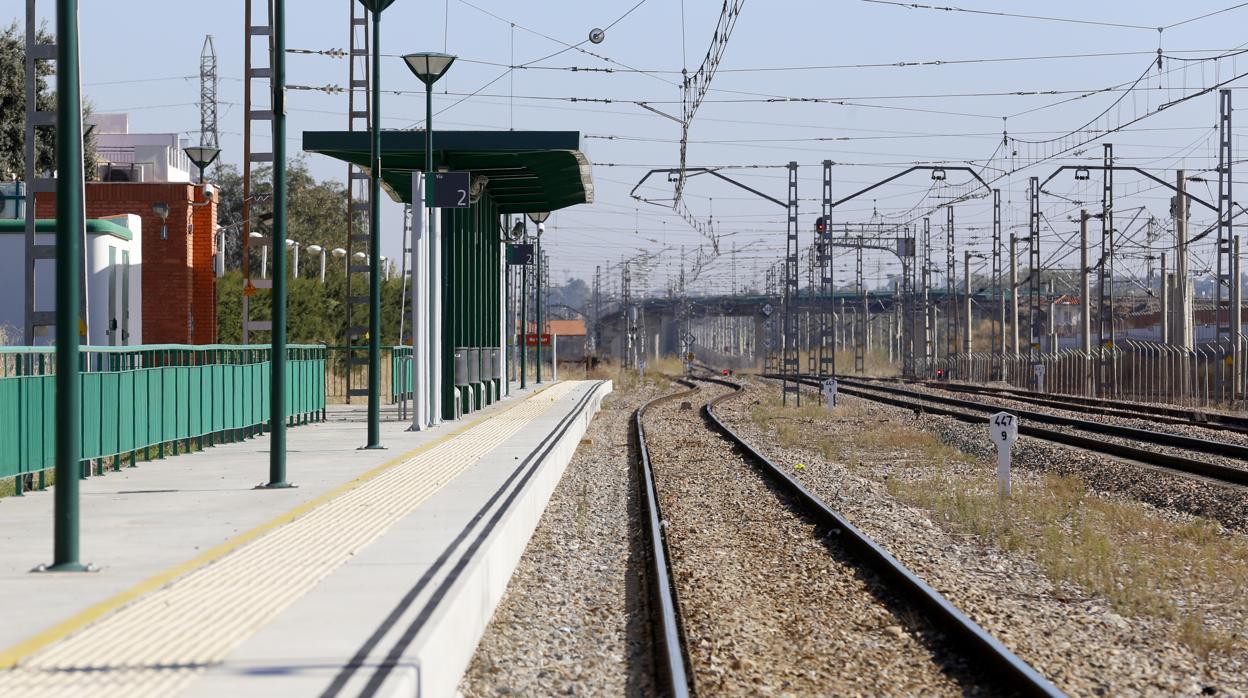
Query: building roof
<point>566,328</point>
<point>97,226</point>
<point>528,171</point>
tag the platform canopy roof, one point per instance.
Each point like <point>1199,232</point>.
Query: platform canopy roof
<point>528,171</point>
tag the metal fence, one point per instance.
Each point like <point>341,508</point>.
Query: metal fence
<point>347,367</point>
<point>149,400</point>
<point>1210,375</point>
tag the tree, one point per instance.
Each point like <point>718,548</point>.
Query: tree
<point>317,213</point>
<point>13,109</point>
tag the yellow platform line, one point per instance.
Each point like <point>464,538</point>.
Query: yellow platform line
<point>14,654</point>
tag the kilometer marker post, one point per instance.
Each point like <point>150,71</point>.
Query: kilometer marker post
<point>1003,430</point>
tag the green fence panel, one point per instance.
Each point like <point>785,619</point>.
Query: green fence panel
<point>137,397</point>
<point>10,422</point>
<point>126,411</point>
<point>108,409</point>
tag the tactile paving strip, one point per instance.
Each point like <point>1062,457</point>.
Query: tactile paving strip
<point>158,644</point>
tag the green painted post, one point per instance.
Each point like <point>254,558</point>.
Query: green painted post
<point>71,222</point>
<point>538,311</point>
<point>277,351</point>
<point>374,233</point>
<point>524,325</point>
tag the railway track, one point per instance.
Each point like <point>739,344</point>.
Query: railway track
<point>1071,431</point>
<point>1164,414</point>
<point>849,553</point>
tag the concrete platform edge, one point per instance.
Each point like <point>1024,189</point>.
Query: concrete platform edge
<point>449,640</point>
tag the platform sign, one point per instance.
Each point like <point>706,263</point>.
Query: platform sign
<point>829,392</point>
<point>533,339</point>
<point>520,255</point>
<point>452,189</point>
<point>1003,430</point>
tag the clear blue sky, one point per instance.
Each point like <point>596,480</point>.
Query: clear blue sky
<point>141,56</point>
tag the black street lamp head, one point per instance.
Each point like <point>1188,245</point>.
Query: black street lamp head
<point>539,216</point>
<point>202,155</point>
<point>429,66</point>
<point>376,5</point>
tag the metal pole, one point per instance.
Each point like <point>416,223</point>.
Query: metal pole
<point>524,326</point>
<point>433,298</point>
<point>374,245</point>
<point>71,222</point>
<point>277,353</point>
<point>1085,302</point>
<point>538,311</point>
<point>1014,294</point>
<point>967,341</point>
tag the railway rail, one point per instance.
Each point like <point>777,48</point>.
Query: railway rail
<point>1165,414</point>
<point>673,662</point>
<point>1069,430</point>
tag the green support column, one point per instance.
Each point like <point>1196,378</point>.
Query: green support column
<point>524,324</point>
<point>375,7</point>
<point>71,222</point>
<point>277,352</point>
<point>538,311</point>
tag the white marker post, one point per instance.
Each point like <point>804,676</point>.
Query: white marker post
<point>829,392</point>
<point>1039,369</point>
<point>1003,429</point>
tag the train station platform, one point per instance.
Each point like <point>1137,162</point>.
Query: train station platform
<point>375,575</point>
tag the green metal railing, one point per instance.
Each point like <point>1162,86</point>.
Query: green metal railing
<point>400,373</point>
<point>134,399</point>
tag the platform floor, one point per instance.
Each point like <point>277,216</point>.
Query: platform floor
<point>375,575</point>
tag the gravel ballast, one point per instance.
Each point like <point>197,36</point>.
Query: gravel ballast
<point>770,605</point>
<point>573,620</point>
<point>1073,637</point>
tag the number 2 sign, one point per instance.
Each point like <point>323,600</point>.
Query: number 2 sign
<point>451,189</point>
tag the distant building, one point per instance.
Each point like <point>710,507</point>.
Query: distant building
<point>137,157</point>
<point>1066,314</point>
<point>179,279</point>
<point>114,260</point>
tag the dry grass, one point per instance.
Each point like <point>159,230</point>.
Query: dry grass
<point>1125,552</point>
<point>657,373</point>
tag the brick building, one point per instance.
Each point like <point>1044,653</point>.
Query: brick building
<point>179,284</point>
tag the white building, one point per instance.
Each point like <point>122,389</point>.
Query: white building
<point>114,279</point>
<point>137,157</point>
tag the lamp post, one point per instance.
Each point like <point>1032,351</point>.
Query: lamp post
<point>520,233</point>
<point>346,261</point>
<point>202,156</point>
<point>376,7</point>
<point>429,67</point>
<point>319,252</point>
<point>539,217</point>
<point>161,209</point>
<point>277,347</point>
<point>71,222</point>
<point>294,244</point>
<point>264,255</point>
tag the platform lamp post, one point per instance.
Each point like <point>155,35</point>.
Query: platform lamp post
<point>319,252</point>
<point>202,156</point>
<point>429,67</point>
<point>71,221</point>
<point>294,244</point>
<point>277,347</point>
<point>264,255</point>
<point>375,7</point>
<point>346,261</point>
<point>539,217</point>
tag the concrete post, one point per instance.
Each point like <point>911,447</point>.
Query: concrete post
<point>967,342</point>
<point>1013,294</point>
<point>1085,301</point>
